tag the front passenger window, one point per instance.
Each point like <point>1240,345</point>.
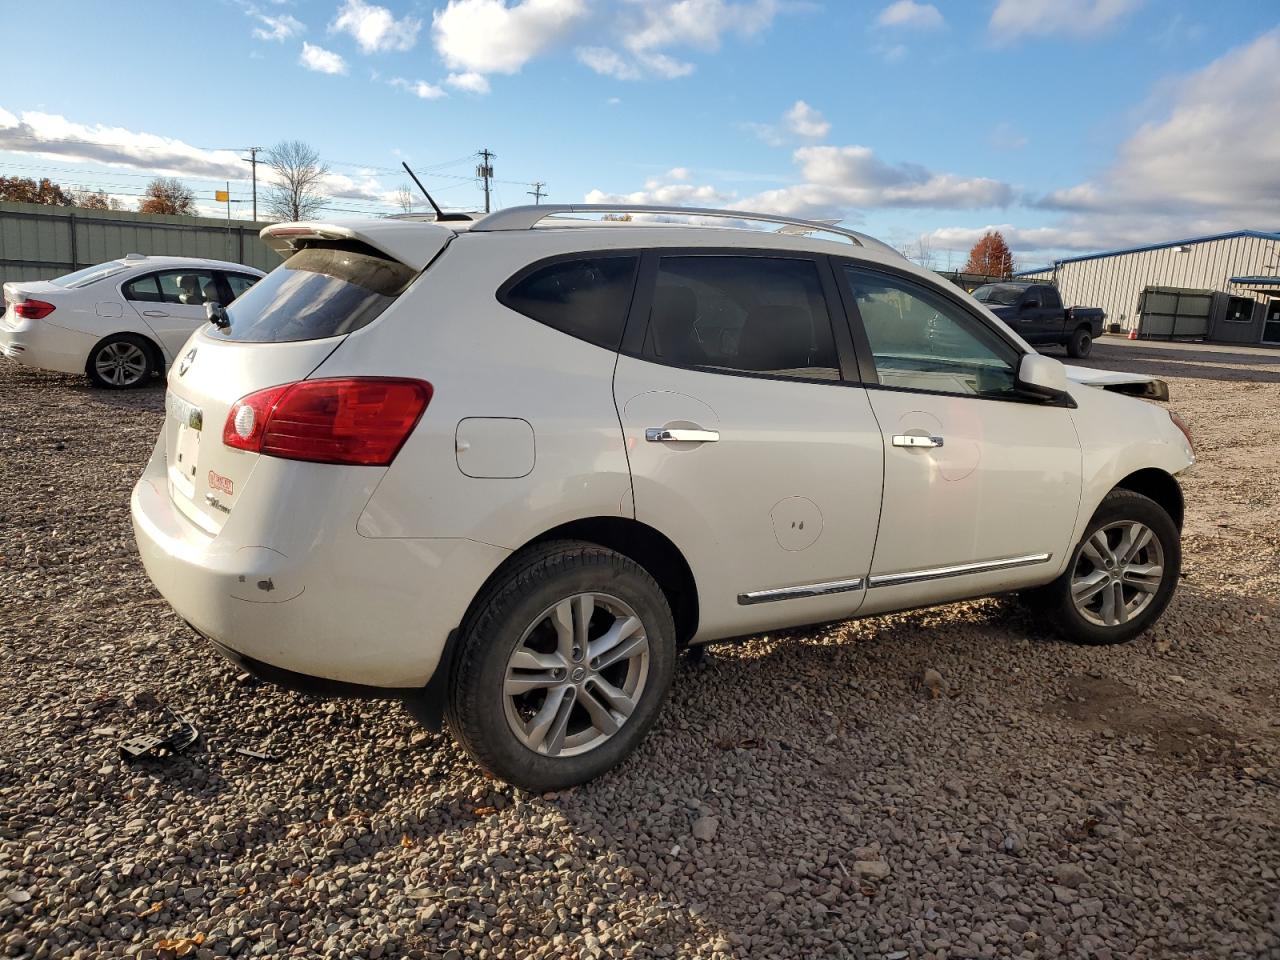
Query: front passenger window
<point>922,341</point>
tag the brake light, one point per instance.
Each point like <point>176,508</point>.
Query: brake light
<point>362,421</point>
<point>33,309</point>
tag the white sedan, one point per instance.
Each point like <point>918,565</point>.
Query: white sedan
<point>119,322</point>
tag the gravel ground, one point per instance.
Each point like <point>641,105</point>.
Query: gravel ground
<point>802,796</point>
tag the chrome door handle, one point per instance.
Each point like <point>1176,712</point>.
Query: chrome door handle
<point>680,435</point>
<point>915,440</point>
<point>154,313</point>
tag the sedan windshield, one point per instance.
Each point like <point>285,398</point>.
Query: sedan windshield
<point>1005,294</point>
<point>82,278</point>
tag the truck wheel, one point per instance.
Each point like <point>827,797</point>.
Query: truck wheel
<point>1081,343</point>
<point>563,665</point>
<point>1121,576</point>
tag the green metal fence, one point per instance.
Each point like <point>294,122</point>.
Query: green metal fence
<point>38,242</point>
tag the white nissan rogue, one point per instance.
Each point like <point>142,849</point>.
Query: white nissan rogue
<point>504,469</point>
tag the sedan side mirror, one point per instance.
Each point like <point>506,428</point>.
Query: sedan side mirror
<point>1043,377</point>
<point>216,314</point>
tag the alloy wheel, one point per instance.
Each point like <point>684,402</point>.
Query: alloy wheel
<point>1118,571</point>
<point>576,675</point>
<point>120,364</point>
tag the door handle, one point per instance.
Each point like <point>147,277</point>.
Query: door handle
<point>681,435</point>
<point>154,313</point>
<point>915,440</point>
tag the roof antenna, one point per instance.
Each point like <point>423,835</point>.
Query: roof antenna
<point>440,214</point>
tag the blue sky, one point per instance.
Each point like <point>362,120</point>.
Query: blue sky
<point>1070,124</point>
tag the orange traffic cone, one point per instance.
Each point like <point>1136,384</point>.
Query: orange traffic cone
<point>1133,334</point>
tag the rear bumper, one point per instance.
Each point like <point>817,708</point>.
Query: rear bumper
<point>46,346</point>
<point>343,610</point>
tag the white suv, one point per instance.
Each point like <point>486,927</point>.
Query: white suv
<point>505,469</point>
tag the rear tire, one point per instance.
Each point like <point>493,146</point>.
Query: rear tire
<point>121,362</point>
<point>563,665</point>
<point>1080,344</point>
<point>1121,575</point>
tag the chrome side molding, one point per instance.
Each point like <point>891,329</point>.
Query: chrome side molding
<point>805,590</point>
<point>957,570</point>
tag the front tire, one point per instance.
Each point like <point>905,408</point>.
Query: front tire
<point>1121,576</point>
<point>1080,344</point>
<point>563,665</point>
<point>121,362</point>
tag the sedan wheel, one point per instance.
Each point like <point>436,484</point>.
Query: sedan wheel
<point>119,363</point>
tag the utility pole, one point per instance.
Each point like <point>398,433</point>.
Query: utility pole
<point>485,172</point>
<point>537,192</point>
<point>253,162</point>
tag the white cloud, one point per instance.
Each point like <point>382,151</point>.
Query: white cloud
<point>679,173</point>
<point>1014,18</point>
<point>488,36</point>
<point>800,120</point>
<point>419,88</point>
<point>375,28</point>
<point>276,28</point>
<point>804,121</point>
<point>646,30</point>
<point>321,60</point>
<point>470,81</point>
<point>1005,136</point>
<point>908,13</point>
<point>52,135</point>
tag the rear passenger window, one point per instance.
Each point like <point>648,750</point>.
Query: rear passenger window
<point>143,290</point>
<point>585,298</point>
<point>239,283</point>
<point>752,314</point>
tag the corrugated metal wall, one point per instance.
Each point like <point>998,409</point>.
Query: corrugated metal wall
<point>38,242</point>
<point>1115,283</point>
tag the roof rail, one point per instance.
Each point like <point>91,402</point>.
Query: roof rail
<point>527,217</point>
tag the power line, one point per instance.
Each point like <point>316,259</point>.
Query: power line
<point>537,192</point>
<point>485,172</point>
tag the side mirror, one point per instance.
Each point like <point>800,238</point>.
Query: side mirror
<point>216,314</point>
<point>1043,377</point>
<point>1026,305</point>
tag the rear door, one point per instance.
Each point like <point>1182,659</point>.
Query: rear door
<point>171,303</point>
<point>751,444</point>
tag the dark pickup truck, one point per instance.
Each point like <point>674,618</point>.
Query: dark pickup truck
<point>1035,311</point>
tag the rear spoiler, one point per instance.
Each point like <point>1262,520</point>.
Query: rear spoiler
<point>415,244</point>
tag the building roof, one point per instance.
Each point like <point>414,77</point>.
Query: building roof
<point>1261,234</point>
<point>1257,281</point>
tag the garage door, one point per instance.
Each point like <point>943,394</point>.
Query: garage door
<point>1167,313</point>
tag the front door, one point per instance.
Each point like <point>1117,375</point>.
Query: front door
<point>749,446</point>
<point>171,303</point>
<point>1271,326</point>
<point>981,486</point>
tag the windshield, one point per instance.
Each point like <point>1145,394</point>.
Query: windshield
<point>1004,294</point>
<point>82,278</point>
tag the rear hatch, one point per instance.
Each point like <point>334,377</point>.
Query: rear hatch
<point>280,331</point>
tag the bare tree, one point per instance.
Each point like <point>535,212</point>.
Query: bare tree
<point>404,198</point>
<point>297,191</point>
<point>923,254</point>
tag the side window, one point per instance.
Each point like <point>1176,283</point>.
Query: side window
<point>754,314</point>
<point>922,341</point>
<point>1031,299</point>
<point>239,283</point>
<point>187,287</point>
<point>586,298</point>
<point>143,289</point>
<point>1051,298</point>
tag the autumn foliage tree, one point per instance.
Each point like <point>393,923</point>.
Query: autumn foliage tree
<point>990,256</point>
<point>27,190</point>
<point>168,195</point>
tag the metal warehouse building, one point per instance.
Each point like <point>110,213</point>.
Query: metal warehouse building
<point>1224,287</point>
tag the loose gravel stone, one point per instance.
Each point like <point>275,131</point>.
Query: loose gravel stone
<point>813,751</point>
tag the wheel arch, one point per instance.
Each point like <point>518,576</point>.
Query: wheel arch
<point>1157,485</point>
<point>640,542</point>
<point>152,345</point>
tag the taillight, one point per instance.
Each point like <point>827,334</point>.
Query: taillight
<point>33,309</point>
<point>352,420</point>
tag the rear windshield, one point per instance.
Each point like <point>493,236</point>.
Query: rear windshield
<point>325,290</point>
<point>999,293</point>
<point>82,278</point>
